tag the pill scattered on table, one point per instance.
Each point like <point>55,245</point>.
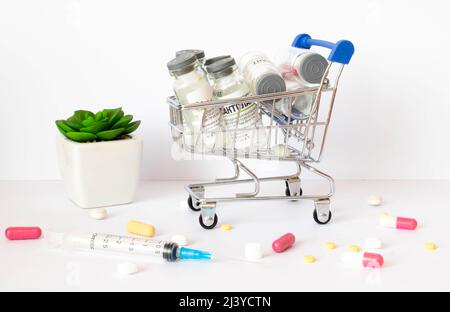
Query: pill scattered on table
<point>400,223</point>
<point>354,248</point>
<point>430,246</point>
<point>226,227</point>
<point>140,228</point>
<point>309,259</point>
<point>253,251</point>
<point>180,240</point>
<point>283,243</point>
<point>127,268</point>
<point>373,243</point>
<point>98,213</point>
<point>23,232</point>
<point>362,259</point>
<point>330,245</point>
<point>375,200</point>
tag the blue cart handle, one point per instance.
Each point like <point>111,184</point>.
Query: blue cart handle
<point>341,51</point>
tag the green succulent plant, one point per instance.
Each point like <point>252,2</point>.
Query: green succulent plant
<point>106,125</point>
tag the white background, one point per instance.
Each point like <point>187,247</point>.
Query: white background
<point>391,119</point>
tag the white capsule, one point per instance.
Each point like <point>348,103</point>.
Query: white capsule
<point>253,251</point>
<point>362,259</point>
<point>180,240</point>
<point>98,213</point>
<point>127,268</point>
<point>373,243</point>
<point>375,200</point>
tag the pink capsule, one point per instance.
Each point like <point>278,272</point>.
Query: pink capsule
<point>21,233</point>
<point>398,222</point>
<point>365,259</point>
<point>284,242</point>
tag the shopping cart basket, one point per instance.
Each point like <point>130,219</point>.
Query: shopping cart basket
<point>284,138</point>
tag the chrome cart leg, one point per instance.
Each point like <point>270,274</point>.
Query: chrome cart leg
<point>236,173</point>
<point>293,184</point>
<point>293,187</point>
<point>322,213</point>
<point>208,218</point>
<point>254,178</point>
<point>199,193</point>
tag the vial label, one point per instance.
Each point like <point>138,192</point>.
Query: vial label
<point>248,118</point>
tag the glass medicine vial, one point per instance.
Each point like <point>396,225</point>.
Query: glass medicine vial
<point>305,66</point>
<point>261,74</point>
<point>191,86</point>
<point>228,84</point>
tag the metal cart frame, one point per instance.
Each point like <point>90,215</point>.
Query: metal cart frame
<point>302,142</point>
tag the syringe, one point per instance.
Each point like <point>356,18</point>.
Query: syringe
<point>108,242</point>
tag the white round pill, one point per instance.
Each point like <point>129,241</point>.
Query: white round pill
<point>281,150</point>
<point>127,268</point>
<point>375,200</point>
<point>253,251</point>
<point>373,243</point>
<point>98,213</point>
<point>180,240</point>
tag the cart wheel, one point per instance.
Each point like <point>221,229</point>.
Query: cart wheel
<point>288,191</point>
<point>208,227</point>
<point>316,218</point>
<point>191,204</point>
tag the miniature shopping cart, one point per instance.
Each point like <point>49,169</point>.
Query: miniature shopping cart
<point>285,138</point>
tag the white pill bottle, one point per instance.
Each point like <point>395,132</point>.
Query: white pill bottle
<point>192,86</point>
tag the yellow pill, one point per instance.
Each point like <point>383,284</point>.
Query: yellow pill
<point>309,259</point>
<point>226,227</point>
<point>354,248</point>
<point>330,245</point>
<point>430,246</point>
<point>140,228</point>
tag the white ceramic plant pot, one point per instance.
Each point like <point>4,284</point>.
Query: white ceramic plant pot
<point>101,173</point>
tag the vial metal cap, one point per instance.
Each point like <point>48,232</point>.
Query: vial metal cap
<point>215,59</point>
<point>199,54</point>
<point>312,67</point>
<point>220,65</point>
<point>181,61</point>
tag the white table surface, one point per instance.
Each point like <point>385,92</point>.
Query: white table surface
<point>33,265</point>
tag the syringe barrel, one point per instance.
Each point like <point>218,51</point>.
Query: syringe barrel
<point>118,243</point>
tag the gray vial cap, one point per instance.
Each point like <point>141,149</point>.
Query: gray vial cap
<point>312,68</point>
<point>270,83</point>
<point>215,59</point>
<point>199,54</point>
<point>220,65</point>
<point>181,61</point>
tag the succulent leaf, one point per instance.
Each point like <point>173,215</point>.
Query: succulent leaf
<point>132,127</point>
<point>74,124</point>
<point>63,126</point>
<point>98,116</point>
<point>123,122</point>
<point>81,136</point>
<point>115,116</point>
<point>95,127</point>
<point>83,114</point>
<point>110,134</point>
